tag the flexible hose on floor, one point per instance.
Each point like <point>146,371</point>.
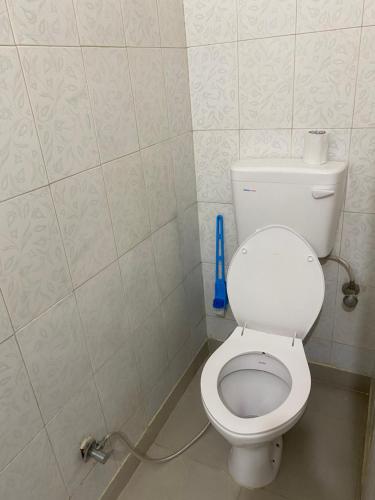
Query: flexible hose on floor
<point>143,457</point>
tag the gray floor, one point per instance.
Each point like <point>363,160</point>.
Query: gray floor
<point>321,458</point>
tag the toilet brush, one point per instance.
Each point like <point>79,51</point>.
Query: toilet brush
<point>221,297</point>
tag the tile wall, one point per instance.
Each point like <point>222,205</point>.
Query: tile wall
<point>262,71</point>
<point>101,302</point>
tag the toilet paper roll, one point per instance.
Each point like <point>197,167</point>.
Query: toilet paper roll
<point>316,147</point>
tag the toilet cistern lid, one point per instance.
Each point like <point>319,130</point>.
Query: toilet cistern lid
<point>276,283</point>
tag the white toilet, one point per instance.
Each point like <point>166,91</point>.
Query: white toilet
<point>255,387</point>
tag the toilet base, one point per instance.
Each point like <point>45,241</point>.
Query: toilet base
<point>255,466</point>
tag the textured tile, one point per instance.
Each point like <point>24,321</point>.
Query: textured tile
<point>158,170</point>
<point>176,73</point>
<point>33,474</point>
<point>6,329</point>
<point>57,87</point>
<point>19,414</point>
<point>127,199</point>
<point>318,350</point>
<point>326,65</point>
<point>265,18</point>
<point>219,328</point>
<point>104,314</point>
<point>33,268</point>
<point>364,112</point>
<point>198,337</point>
<point>175,320</point>
<point>21,161</point>
<point>6,35</point>
<point>50,22</point>
<point>55,354</point>
<point>360,196</point>
<point>146,67</point>
<point>189,232</point>
<point>215,151</point>
<point>112,100</point>
<point>323,327</point>
<point>328,15</point>
<point>167,251</point>
<point>100,22</point>
<point>83,214</point>
<point>79,417</point>
<point>182,148</point>
<point>265,143</point>
<point>338,143</point>
<point>210,21</point>
<point>266,82</point>
<point>195,296</point>
<point>214,86</point>
<point>141,23</point>
<point>352,359</point>
<point>172,23</point>
<point>369,12</point>
<point>140,283</point>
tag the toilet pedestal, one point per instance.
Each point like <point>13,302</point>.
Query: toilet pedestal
<point>255,466</point>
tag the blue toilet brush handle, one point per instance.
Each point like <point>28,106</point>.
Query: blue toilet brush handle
<point>221,298</point>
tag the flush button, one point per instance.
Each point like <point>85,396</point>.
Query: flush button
<point>244,251</point>
<point>310,258</point>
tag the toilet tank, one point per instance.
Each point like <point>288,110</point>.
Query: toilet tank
<point>287,191</point>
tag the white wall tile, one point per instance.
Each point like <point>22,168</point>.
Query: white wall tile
<point>215,151</point>
<point>195,297</point>
<point>22,167</point>
<point>219,328</point>
<point>20,418</point>
<point>167,251</point>
<point>266,82</point>
<point>172,23</point>
<point>176,72</point>
<point>210,21</point>
<point>80,417</point>
<point>369,12</point>
<point>104,314</point>
<point>140,283</point>
<point>326,65</point>
<point>198,337</point>
<point>352,359</point>
<point>83,214</point>
<point>149,93</point>
<point>6,329</point>
<point>265,18</point>
<point>318,350</point>
<point>360,196</point>
<point>364,112</point>
<point>214,86</point>
<point>208,273</point>
<point>6,35</point>
<point>33,474</point>
<point>55,354</point>
<point>338,143</point>
<point>189,231</point>
<point>175,320</point>
<point>141,23</point>
<point>182,148</point>
<point>328,14</point>
<point>59,98</point>
<point>112,100</point>
<point>127,197</point>
<point>43,22</point>
<point>158,170</point>
<point>323,327</point>
<point>33,268</point>
<point>99,22</point>
<point>265,143</point>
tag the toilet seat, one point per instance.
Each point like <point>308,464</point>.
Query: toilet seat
<point>285,350</point>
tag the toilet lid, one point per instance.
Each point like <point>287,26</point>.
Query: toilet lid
<point>275,282</point>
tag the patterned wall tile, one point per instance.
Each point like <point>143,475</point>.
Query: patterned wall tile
<point>328,14</point>
<point>20,418</point>
<point>266,82</point>
<point>265,143</point>
<point>55,354</point>
<point>172,23</point>
<point>158,170</point>
<point>104,313</point>
<point>6,35</point>
<point>318,350</point>
<point>176,72</point>
<point>323,327</point>
<point>364,112</point>
<point>338,143</point>
<point>43,22</point>
<point>360,196</point>
<point>33,268</point>
<point>326,65</point>
<point>99,22</point>
<point>57,86</point>
<point>182,148</point>
<point>369,12</point>
<point>264,18</point>
<point>127,199</point>
<point>352,359</point>
<point>215,151</point>
<point>175,321</point>
<point>141,23</point>
<point>21,162</point>
<point>6,329</point>
<point>214,86</point>
<point>149,93</point>
<point>83,214</point>
<point>112,100</point>
<point>210,21</point>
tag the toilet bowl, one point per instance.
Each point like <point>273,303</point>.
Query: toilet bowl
<point>255,387</point>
